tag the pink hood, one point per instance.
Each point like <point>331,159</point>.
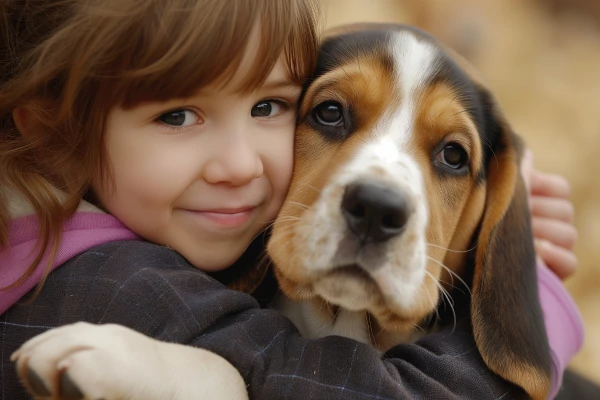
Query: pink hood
<point>89,227</point>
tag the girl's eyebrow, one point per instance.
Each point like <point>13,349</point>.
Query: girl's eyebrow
<point>280,83</point>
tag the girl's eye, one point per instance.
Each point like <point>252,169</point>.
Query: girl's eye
<point>329,113</point>
<point>453,155</point>
<point>179,118</point>
<point>267,108</point>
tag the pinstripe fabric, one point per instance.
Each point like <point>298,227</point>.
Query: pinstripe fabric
<point>153,290</point>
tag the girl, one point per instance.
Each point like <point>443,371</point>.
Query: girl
<point>175,121</point>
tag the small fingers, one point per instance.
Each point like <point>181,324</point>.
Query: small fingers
<point>557,232</point>
<point>550,185</point>
<point>527,168</point>
<point>562,262</point>
<point>552,208</point>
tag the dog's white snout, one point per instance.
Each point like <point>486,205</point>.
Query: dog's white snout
<point>375,212</point>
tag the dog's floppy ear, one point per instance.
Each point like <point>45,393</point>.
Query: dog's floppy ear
<point>506,314</point>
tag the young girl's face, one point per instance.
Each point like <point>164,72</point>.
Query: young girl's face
<point>203,175</point>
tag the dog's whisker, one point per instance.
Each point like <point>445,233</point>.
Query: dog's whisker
<point>446,296</point>
<point>431,302</point>
<point>288,225</point>
<point>451,285</point>
<point>450,250</point>
<point>282,216</point>
<point>302,290</point>
<point>443,266</point>
<point>444,291</point>
<point>289,222</point>
<point>266,228</point>
<point>452,273</point>
<point>337,312</point>
<point>287,230</point>
<point>420,328</point>
<point>308,185</point>
<point>301,205</point>
<point>326,305</point>
<point>435,315</point>
<point>334,313</point>
<point>289,218</point>
<point>370,328</point>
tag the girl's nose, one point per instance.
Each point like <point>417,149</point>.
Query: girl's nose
<point>235,163</point>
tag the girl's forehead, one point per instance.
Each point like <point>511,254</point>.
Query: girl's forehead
<point>278,78</point>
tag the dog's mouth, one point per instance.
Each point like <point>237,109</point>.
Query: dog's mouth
<point>353,271</point>
<point>350,287</point>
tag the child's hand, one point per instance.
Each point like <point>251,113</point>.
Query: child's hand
<point>552,218</point>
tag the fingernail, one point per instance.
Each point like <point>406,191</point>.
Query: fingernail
<point>69,390</point>
<point>37,385</point>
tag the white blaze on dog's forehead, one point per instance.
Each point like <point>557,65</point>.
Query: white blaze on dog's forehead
<point>415,62</point>
<point>384,149</point>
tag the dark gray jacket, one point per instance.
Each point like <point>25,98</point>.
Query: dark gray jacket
<point>155,291</point>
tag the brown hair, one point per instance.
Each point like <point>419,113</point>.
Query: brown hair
<point>75,60</point>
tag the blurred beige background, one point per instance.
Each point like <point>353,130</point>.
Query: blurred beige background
<point>542,59</point>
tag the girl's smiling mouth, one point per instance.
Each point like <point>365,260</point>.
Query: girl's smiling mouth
<point>226,217</point>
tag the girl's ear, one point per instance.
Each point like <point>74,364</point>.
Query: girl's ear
<point>27,118</point>
<point>22,117</point>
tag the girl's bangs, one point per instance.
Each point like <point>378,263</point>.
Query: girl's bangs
<point>196,47</point>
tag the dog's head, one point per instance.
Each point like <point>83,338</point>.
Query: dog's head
<point>404,163</point>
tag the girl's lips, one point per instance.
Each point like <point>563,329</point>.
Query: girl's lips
<point>228,210</point>
<point>226,217</point>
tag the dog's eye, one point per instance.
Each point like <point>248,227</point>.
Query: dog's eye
<point>453,155</point>
<point>329,113</point>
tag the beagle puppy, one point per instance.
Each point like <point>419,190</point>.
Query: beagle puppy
<point>407,178</point>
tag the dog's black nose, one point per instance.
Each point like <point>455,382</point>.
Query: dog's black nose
<point>374,212</point>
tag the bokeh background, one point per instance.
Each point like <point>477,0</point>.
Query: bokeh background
<point>542,60</point>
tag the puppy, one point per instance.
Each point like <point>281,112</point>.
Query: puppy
<point>406,177</point>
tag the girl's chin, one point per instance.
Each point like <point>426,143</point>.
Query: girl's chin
<point>216,260</point>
